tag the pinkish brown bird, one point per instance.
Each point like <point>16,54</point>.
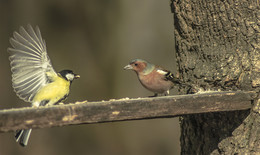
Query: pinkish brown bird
<point>152,77</point>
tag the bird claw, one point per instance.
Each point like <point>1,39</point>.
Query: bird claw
<point>155,95</point>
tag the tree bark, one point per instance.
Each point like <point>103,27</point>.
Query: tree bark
<point>218,48</point>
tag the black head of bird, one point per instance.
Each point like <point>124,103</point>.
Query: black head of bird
<point>33,78</point>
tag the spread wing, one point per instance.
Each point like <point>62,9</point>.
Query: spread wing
<point>30,63</point>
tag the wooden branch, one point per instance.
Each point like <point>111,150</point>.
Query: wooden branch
<point>123,109</point>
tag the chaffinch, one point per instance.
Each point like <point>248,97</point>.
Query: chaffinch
<point>152,77</point>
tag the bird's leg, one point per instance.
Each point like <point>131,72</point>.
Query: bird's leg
<point>155,95</point>
<point>44,103</point>
<point>167,93</point>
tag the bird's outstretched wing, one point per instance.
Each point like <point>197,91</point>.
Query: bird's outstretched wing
<point>30,63</point>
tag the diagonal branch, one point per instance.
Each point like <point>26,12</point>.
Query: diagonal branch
<point>123,109</point>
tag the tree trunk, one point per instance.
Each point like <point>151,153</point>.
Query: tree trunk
<point>218,48</point>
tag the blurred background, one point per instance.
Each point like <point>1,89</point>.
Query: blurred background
<point>96,39</point>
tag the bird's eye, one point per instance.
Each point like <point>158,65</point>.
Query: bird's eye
<point>136,64</point>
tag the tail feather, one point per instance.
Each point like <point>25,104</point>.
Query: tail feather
<point>175,80</point>
<point>22,136</point>
<point>170,76</point>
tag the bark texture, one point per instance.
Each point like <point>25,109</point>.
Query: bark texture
<point>218,48</point>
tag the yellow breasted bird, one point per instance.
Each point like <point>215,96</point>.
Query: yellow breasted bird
<point>33,78</point>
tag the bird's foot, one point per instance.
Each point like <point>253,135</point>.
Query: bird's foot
<point>155,95</point>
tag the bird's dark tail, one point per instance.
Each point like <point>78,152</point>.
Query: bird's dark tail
<point>22,136</point>
<point>169,76</point>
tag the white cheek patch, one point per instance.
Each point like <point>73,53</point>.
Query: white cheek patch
<point>161,72</point>
<point>70,77</point>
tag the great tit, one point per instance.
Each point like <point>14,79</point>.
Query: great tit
<point>33,78</point>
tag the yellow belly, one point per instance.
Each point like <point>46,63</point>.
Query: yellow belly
<point>53,92</point>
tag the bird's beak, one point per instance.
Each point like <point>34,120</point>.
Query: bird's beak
<point>127,67</point>
<point>76,76</point>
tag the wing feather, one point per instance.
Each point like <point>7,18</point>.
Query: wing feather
<point>168,75</point>
<point>29,62</point>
